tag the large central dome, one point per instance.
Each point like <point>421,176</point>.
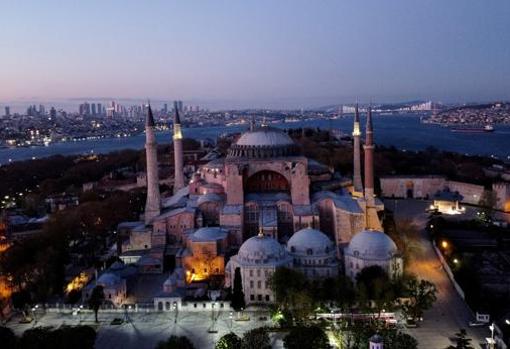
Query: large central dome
<point>265,136</point>
<point>263,142</point>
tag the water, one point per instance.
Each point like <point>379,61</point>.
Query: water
<point>402,131</point>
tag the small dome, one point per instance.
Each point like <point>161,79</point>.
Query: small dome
<point>265,136</point>
<point>209,234</point>
<point>308,239</point>
<point>261,250</point>
<point>108,280</point>
<point>210,197</point>
<point>371,245</point>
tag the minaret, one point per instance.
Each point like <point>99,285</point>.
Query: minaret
<point>356,180</point>
<point>371,211</point>
<point>178,162</point>
<point>153,203</point>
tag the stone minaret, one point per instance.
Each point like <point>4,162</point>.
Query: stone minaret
<point>356,180</point>
<point>153,203</point>
<point>372,220</point>
<point>178,161</point>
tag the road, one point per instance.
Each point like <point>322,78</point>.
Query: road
<point>450,312</point>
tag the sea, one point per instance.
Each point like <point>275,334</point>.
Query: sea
<point>402,131</point>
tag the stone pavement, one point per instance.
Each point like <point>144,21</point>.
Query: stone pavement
<point>145,330</point>
<point>450,312</point>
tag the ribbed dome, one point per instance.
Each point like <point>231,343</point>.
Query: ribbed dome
<point>371,245</point>
<point>265,136</point>
<point>209,234</point>
<point>305,239</point>
<point>108,279</point>
<point>261,250</point>
<point>264,142</point>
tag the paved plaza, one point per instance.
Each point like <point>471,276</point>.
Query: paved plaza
<point>450,312</point>
<point>145,330</point>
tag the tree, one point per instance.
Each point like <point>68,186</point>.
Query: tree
<point>462,341</point>
<point>306,338</point>
<point>39,337</point>
<point>76,337</point>
<point>374,286</point>
<point>420,297</point>
<point>21,300</point>
<point>229,341</point>
<point>96,300</point>
<point>488,202</point>
<point>175,342</point>
<point>7,338</point>
<point>256,339</point>
<point>238,302</point>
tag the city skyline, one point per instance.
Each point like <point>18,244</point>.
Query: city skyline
<point>256,55</point>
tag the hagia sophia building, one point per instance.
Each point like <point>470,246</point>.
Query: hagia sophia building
<point>259,208</point>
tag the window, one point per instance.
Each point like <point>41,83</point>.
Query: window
<point>267,298</point>
<point>251,273</point>
<point>259,298</point>
<point>258,272</point>
<point>252,297</point>
<point>259,284</point>
<point>251,284</point>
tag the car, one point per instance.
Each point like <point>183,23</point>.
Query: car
<point>411,323</point>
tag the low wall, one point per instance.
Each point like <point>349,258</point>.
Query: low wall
<point>446,267</point>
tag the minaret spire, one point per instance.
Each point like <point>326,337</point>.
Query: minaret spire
<point>356,180</point>
<point>153,203</point>
<point>372,220</point>
<point>178,156</point>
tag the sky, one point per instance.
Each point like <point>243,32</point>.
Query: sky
<point>278,54</point>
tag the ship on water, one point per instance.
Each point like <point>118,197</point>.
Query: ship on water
<point>473,129</point>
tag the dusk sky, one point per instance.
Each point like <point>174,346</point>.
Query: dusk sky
<point>255,53</point>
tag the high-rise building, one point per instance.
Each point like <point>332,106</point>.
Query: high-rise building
<point>99,109</point>
<point>7,111</point>
<point>165,108</point>
<point>42,111</point>
<point>93,108</point>
<point>53,112</point>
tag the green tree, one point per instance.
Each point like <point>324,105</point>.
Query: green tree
<point>375,289</point>
<point>229,341</point>
<point>462,342</point>
<point>75,337</point>
<point>96,300</point>
<point>7,338</point>
<point>421,295</point>
<point>306,338</point>
<point>256,339</point>
<point>175,342</point>
<point>488,202</point>
<point>238,302</point>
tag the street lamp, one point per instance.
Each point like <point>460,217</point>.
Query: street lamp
<point>80,312</point>
<point>492,328</point>
<point>231,316</point>
<point>507,321</point>
<point>444,244</point>
<point>174,305</point>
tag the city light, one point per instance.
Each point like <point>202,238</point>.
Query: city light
<point>444,244</point>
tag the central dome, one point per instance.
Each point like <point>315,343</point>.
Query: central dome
<point>309,240</point>
<point>371,245</point>
<point>261,250</point>
<point>265,136</point>
<point>263,142</point>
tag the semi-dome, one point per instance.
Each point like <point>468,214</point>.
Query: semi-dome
<point>308,240</point>
<point>264,142</point>
<point>261,249</point>
<point>209,234</point>
<point>265,136</point>
<point>371,245</point>
<point>108,280</point>
<point>209,197</point>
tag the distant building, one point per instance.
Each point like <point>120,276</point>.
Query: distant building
<point>7,111</point>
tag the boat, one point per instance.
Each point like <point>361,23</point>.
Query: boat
<point>473,129</point>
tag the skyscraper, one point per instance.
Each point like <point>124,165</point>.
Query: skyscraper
<point>99,109</point>
<point>93,108</point>
<point>7,111</point>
